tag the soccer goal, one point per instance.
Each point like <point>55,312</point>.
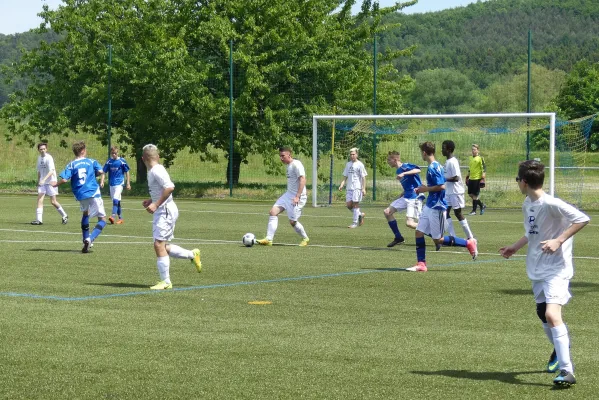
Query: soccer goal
<point>504,140</point>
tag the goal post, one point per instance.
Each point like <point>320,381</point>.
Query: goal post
<point>505,139</point>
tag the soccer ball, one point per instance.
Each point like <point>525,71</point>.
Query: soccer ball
<point>248,239</point>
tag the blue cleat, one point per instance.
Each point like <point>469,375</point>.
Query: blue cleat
<point>564,379</point>
<point>553,364</point>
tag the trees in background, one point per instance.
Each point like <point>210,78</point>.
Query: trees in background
<point>170,73</point>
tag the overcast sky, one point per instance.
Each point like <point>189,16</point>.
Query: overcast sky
<point>21,15</point>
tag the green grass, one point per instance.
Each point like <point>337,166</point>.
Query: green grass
<point>345,322</point>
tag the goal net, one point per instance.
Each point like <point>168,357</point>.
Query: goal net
<point>504,140</point>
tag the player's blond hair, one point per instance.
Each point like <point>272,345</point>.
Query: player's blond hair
<point>353,149</point>
<point>150,151</point>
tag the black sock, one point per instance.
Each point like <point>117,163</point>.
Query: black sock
<point>474,204</point>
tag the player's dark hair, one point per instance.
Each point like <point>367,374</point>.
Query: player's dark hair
<point>532,172</point>
<point>393,153</point>
<point>449,145</point>
<point>78,147</point>
<point>114,148</point>
<point>40,144</point>
<point>285,148</point>
<point>428,148</point>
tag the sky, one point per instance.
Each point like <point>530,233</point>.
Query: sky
<point>18,16</point>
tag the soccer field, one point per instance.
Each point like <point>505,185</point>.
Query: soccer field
<point>341,319</point>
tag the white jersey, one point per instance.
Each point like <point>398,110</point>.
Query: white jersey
<point>295,169</point>
<point>452,168</point>
<point>354,172</point>
<point>545,219</point>
<point>44,166</point>
<point>158,180</point>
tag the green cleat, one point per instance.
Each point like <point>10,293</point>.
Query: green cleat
<point>161,286</point>
<point>553,363</point>
<point>264,242</point>
<point>304,242</point>
<point>196,260</point>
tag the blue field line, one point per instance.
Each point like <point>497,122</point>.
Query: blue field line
<point>225,285</point>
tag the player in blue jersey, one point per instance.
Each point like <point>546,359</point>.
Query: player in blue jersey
<point>408,175</point>
<point>118,170</point>
<point>432,219</point>
<point>82,173</point>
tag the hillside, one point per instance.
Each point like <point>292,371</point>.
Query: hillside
<point>489,39</point>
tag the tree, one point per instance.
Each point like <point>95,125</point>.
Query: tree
<point>443,91</point>
<point>170,73</point>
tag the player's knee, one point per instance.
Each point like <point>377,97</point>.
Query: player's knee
<point>387,213</point>
<point>541,310</point>
<point>292,222</point>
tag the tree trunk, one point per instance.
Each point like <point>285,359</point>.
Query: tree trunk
<point>142,171</point>
<point>236,168</point>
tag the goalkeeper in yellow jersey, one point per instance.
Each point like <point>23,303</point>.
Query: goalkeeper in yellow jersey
<point>475,180</point>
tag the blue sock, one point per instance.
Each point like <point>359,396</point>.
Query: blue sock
<point>118,211</point>
<point>85,226</point>
<point>420,249</point>
<point>454,241</point>
<point>97,230</point>
<point>394,228</point>
<point>115,206</point>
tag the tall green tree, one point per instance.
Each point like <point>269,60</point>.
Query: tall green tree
<point>170,73</point>
<point>443,91</point>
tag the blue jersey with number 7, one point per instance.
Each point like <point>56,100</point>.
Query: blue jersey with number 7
<point>82,173</point>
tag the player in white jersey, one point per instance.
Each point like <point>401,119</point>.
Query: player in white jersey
<point>454,190</point>
<point>549,225</point>
<point>355,176</point>
<point>46,176</point>
<point>293,200</point>
<point>165,211</point>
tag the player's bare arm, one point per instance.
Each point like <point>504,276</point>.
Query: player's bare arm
<point>300,189</point>
<point>508,251</point>
<point>550,246</point>
<point>152,207</point>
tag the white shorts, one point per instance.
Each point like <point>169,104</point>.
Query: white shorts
<point>413,207</point>
<point>47,190</point>
<point>353,196</point>
<point>286,202</point>
<point>552,291</point>
<point>165,217</point>
<point>94,207</point>
<point>455,201</point>
<point>432,222</point>
<point>115,192</point>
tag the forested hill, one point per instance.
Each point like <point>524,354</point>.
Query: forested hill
<point>487,39</point>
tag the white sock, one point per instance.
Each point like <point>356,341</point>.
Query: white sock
<point>561,341</point>
<point>61,211</point>
<point>356,215</point>
<point>271,229</point>
<point>179,252</point>
<point>449,226</point>
<point>547,330</point>
<point>466,229</point>
<point>164,264</point>
<point>299,228</point>
<point>39,212</point>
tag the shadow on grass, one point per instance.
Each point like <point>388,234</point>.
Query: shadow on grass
<point>577,287</point>
<point>127,285</point>
<point>504,377</point>
<point>58,250</point>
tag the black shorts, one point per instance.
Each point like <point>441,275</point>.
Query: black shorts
<point>474,187</point>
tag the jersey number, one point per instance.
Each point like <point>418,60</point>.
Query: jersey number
<point>82,174</point>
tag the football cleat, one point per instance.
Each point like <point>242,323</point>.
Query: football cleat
<point>196,260</point>
<point>304,242</point>
<point>482,209</point>
<point>161,286</point>
<point>553,363</point>
<point>564,378</point>
<point>472,246</point>
<point>420,267</point>
<point>353,226</point>
<point>472,213</point>
<point>120,222</point>
<point>111,220</point>
<point>36,222</point>
<point>65,219</point>
<point>86,245</point>
<point>438,246</point>
<point>264,242</point>
<point>396,241</point>
<point>361,219</point>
